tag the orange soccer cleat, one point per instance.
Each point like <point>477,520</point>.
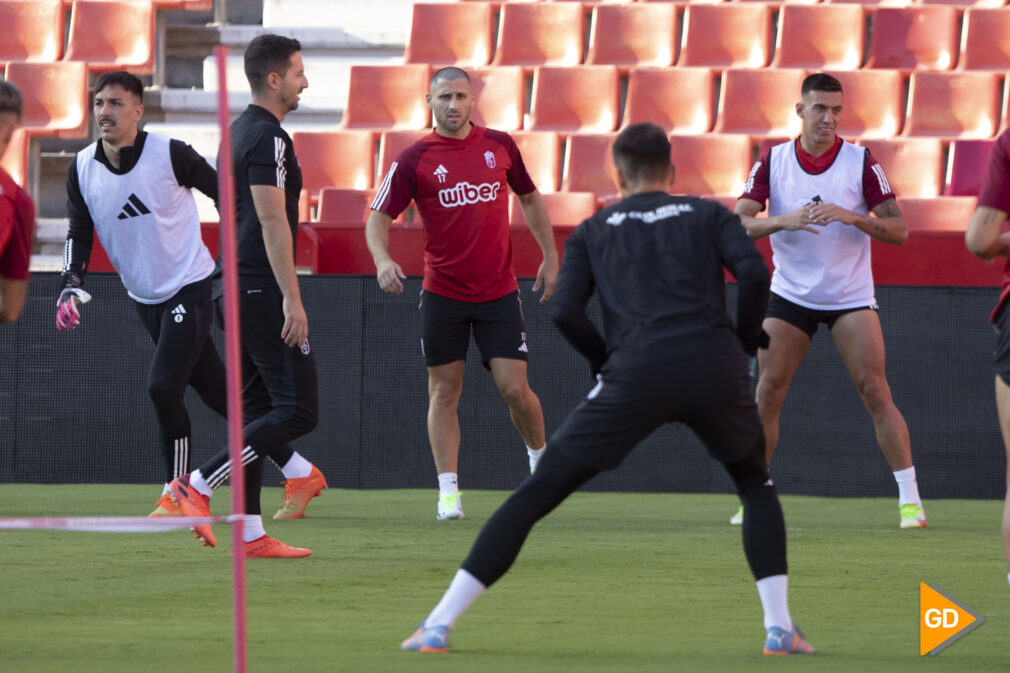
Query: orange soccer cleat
<point>165,507</point>
<point>298,492</point>
<point>193,503</point>
<point>267,547</point>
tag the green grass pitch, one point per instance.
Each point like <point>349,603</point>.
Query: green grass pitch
<point>608,582</point>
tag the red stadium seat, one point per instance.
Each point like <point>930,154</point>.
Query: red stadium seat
<point>56,100</point>
<point>986,42</point>
<point>873,103</point>
<point>32,30</point>
<point>965,3</point>
<point>678,100</point>
<point>589,165</point>
<point>943,213</point>
<point>730,35</point>
<point>344,205</point>
<point>560,102</point>
<point>760,102</point>
<point>913,166</point>
<point>457,33</point>
<point>966,165</point>
<point>500,97</point>
<point>540,33</point>
<point>391,143</point>
<point>953,104</point>
<point>387,97</point>
<point>914,38</point>
<point>15,157</point>
<point>563,208</point>
<point>872,5</point>
<point>820,37</point>
<point>710,164</point>
<point>343,159</point>
<point>110,35</point>
<point>541,153</point>
<point>638,34</point>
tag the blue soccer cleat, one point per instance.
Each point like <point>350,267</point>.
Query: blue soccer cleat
<point>780,641</point>
<point>427,639</point>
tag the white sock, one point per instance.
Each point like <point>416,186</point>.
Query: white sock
<point>774,599</point>
<point>297,467</point>
<point>464,590</point>
<point>534,455</point>
<point>166,490</point>
<point>908,490</point>
<point>1008,577</point>
<point>197,481</point>
<point>447,483</point>
<point>252,528</point>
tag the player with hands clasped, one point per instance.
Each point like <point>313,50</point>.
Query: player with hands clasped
<point>821,192</point>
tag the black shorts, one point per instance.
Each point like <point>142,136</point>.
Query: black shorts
<point>498,328</point>
<point>1001,353</point>
<point>805,318</point>
<point>708,393</point>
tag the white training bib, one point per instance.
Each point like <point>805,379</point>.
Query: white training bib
<point>146,221</point>
<point>829,271</point>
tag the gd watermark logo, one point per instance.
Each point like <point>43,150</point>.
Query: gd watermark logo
<point>942,619</point>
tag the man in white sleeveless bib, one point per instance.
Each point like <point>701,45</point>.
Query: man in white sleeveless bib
<point>820,192</point>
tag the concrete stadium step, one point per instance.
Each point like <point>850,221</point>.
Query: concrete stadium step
<point>205,137</point>
<point>328,77</point>
<point>384,22</point>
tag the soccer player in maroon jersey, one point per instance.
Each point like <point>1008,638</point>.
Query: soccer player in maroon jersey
<point>17,217</point>
<point>457,176</point>
<point>984,238</point>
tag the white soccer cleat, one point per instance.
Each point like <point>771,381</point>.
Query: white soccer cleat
<point>737,519</point>
<point>912,516</point>
<point>450,506</point>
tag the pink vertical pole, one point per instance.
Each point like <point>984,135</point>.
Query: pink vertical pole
<point>233,360</point>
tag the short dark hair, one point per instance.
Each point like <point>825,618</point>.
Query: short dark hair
<point>10,99</point>
<point>266,54</point>
<point>820,81</point>
<point>448,73</point>
<point>642,152</point>
<point>124,79</point>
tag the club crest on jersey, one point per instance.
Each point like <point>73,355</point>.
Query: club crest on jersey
<point>464,193</point>
<point>440,173</point>
<point>489,159</point>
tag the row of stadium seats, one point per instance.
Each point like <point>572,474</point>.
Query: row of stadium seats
<point>726,35</point>
<point>105,34</point>
<point>340,172</point>
<point>755,102</point>
<point>933,255</point>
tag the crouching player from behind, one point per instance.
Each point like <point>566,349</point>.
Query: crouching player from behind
<point>671,355</point>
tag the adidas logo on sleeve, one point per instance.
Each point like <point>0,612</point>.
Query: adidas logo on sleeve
<point>178,313</point>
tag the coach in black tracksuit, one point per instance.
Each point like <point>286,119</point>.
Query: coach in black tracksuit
<point>671,354</point>
<point>280,385</point>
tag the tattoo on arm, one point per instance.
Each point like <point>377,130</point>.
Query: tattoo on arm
<point>888,208</point>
